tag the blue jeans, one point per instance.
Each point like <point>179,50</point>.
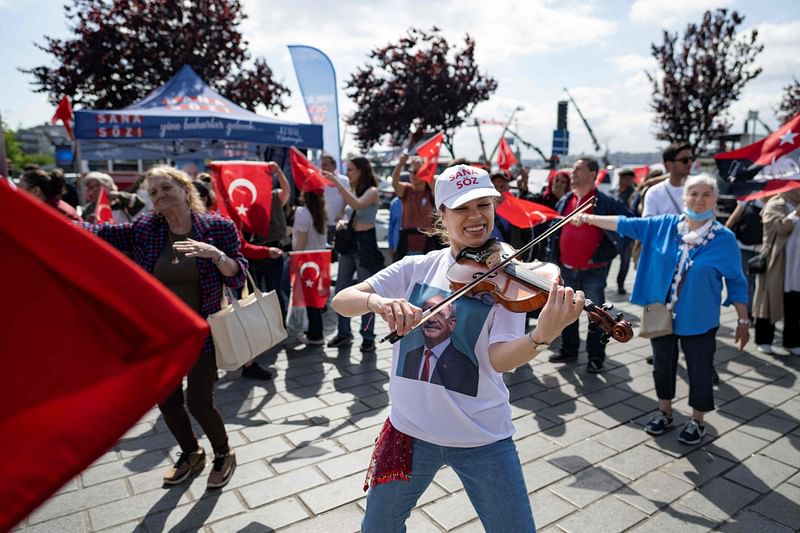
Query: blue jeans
<point>491,475</point>
<point>350,265</point>
<point>624,264</point>
<point>593,283</point>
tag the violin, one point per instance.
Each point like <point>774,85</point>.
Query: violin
<point>522,287</point>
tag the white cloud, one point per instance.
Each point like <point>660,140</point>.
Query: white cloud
<point>669,13</point>
<point>632,62</point>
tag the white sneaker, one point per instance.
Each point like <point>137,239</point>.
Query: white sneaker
<point>766,348</point>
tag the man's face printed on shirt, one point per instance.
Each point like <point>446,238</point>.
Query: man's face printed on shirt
<point>441,325</point>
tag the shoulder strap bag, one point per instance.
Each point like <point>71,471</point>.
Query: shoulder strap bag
<point>244,328</point>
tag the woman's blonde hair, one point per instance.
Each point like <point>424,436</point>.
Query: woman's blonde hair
<point>180,177</point>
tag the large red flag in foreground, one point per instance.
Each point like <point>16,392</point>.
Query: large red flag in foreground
<point>505,157</point>
<point>306,176</point>
<point>102,209</point>
<point>765,167</point>
<point>524,213</point>
<point>64,114</point>
<point>429,152</point>
<point>244,193</point>
<point>311,278</point>
<point>85,360</point>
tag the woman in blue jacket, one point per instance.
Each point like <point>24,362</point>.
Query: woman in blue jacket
<point>683,263</point>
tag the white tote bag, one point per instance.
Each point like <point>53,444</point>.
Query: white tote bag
<point>243,329</point>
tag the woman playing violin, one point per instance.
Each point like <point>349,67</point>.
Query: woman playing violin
<point>449,404</point>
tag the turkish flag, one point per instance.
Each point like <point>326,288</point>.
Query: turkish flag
<point>64,114</point>
<point>244,193</point>
<point>524,213</point>
<point>775,157</point>
<point>306,176</point>
<point>505,157</point>
<point>85,360</point>
<point>602,177</point>
<point>102,208</point>
<point>428,151</point>
<point>640,173</point>
<point>311,278</point>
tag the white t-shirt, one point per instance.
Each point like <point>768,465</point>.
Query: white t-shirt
<point>334,203</point>
<point>465,403</point>
<point>304,223</point>
<point>663,199</point>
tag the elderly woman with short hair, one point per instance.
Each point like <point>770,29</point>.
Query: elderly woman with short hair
<point>125,206</point>
<point>193,254</point>
<point>684,260</point>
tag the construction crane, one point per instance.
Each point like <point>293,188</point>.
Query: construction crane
<point>597,147</point>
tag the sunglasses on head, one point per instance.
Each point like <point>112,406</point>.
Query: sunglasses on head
<point>685,160</point>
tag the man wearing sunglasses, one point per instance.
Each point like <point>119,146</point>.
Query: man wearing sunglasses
<point>667,197</point>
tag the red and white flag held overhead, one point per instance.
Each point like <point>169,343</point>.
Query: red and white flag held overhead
<point>102,208</point>
<point>244,193</point>
<point>306,175</point>
<point>64,114</point>
<point>766,167</point>
<point>429,153</point>
<point>311,278</point>
<point>505,157</point>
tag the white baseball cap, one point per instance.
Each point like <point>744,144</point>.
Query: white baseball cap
<point>459,184</point>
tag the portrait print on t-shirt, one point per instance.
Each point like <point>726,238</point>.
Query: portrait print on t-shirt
<point>442,350</point>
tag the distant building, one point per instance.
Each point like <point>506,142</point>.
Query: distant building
<point>42,139</point>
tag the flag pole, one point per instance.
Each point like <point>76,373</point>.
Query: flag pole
<point>3,161</point>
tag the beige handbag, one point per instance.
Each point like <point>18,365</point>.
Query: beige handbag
<point>656,321</point>
<point>245,328</point>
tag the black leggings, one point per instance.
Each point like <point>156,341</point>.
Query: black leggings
<point>200,401</point>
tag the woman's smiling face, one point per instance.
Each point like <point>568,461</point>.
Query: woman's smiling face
<point>469,225</point>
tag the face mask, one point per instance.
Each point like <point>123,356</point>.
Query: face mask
<point>694,215</point>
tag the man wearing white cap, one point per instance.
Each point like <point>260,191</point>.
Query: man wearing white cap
<point>430,425</point>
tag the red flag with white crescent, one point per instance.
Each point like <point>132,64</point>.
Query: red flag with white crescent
<point>244,193</point>
<point>640,173</point>
<point>65,115</point>
<point>311,278</point>
<point>524,213</point>
<point>505,157</point>
<point>306,176</point>
<point>102,208</point>
<point>765,167</point>
<point>107,357</point>
<point>429,153</point>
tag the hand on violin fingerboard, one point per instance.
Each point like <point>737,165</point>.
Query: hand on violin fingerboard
<point>400,315</point>
<point>563,307</point>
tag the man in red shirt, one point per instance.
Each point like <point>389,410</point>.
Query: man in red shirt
<point>584,253</point>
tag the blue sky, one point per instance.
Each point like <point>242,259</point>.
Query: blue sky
<point>534,48</point>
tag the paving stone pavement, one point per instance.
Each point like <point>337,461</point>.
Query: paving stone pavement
<point>303,441</point>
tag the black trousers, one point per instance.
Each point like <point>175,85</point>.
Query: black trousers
<point>765,329</point>
<point>699,352</point>
<point>200,401</point>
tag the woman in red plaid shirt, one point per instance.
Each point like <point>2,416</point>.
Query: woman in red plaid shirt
<point>193,254</point>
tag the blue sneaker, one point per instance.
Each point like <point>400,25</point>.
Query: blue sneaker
<point>658,423</point>
<point>692,433</point>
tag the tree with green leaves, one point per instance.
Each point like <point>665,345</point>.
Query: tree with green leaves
<point>123,49</point>
<point>700,75</point>
<point>790,103</point>
<point>419,83</point>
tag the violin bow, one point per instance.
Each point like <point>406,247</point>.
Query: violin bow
<point>393,337</point>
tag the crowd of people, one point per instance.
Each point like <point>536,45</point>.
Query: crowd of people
<point>666,226</point>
